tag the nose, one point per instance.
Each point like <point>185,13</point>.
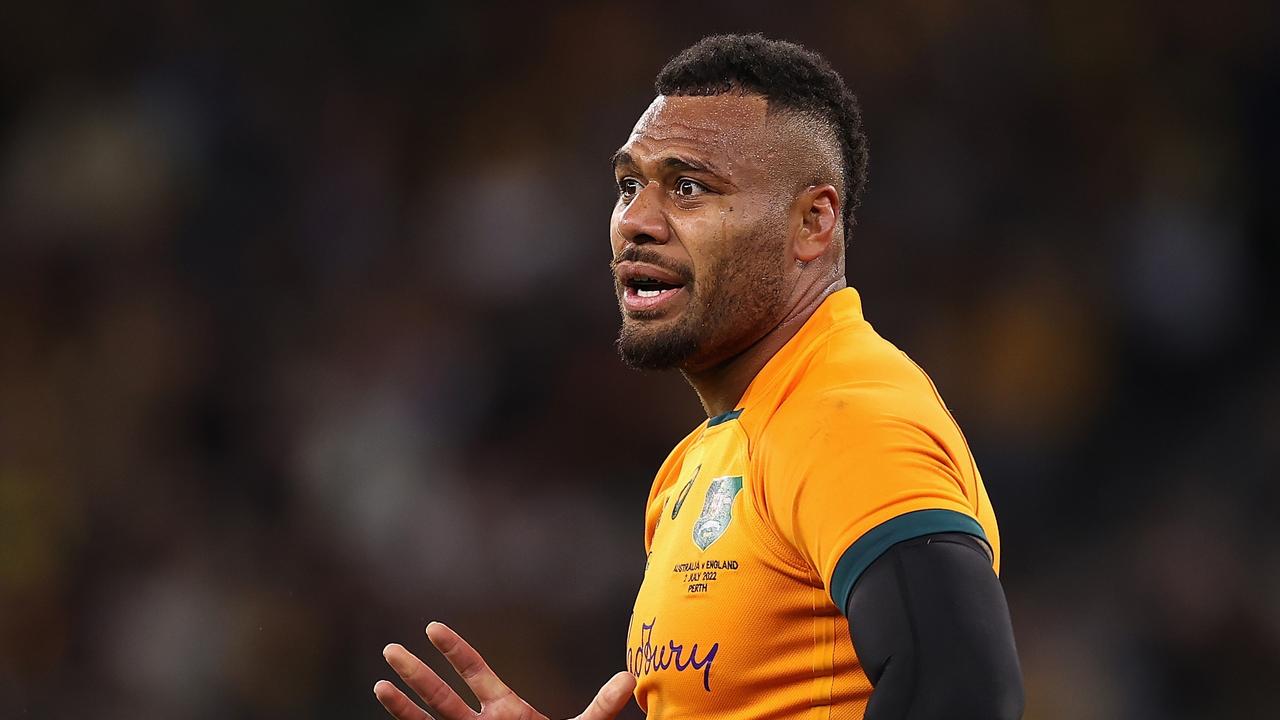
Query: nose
<point>642,220</point>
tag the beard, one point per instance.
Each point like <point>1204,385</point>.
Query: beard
<point>734,302</point>
<point>646,349</point>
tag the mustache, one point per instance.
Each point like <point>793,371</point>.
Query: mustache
<point>644,254</point>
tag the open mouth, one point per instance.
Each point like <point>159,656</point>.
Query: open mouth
<point>647,287</point>
<point>641,294</point>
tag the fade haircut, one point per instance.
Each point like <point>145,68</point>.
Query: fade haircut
<point>790,77</point>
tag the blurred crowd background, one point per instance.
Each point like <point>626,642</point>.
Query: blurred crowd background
<point>306,337</point>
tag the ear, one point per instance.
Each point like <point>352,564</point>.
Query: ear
<point>819,207</point>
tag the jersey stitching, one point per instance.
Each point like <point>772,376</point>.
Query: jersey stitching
<point>824,647</point>
<point>820,344</point>
<point>767,534</point>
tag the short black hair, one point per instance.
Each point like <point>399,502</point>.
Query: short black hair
<point>789,76</point>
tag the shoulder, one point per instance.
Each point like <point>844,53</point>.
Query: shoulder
<point>855,382</point>
<point>866,424</point>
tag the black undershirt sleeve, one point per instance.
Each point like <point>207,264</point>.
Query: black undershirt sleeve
<point>931,628</point>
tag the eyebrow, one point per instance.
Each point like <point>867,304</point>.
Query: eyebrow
<point>669,163</point>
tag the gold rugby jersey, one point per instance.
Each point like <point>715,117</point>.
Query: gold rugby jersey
<point>762,519</point>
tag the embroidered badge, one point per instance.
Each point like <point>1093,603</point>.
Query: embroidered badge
<point>717,511</point>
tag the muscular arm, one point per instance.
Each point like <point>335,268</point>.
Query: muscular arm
<point>931,627</point>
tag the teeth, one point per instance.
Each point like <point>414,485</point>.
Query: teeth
<point>648,293</point>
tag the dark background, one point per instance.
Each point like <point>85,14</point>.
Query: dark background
<point>306,337</point>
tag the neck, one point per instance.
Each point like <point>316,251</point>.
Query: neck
<point>721,386</point>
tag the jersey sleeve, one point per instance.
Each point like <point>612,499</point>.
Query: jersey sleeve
<point>847,475</point>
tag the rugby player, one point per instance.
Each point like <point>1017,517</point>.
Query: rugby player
<point>822,546</point>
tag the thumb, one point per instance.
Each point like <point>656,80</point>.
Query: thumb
<point>611,699</point>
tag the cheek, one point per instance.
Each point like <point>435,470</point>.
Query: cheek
<point>704,238</point>
<point>744,215</point>
<point>615,237</point>
<point>717,241</point>
<point>755,258</point>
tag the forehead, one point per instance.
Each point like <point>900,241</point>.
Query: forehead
<point>729,129</point>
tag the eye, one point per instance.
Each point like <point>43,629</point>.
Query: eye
<point>689,188</point>
<point>627,188</point>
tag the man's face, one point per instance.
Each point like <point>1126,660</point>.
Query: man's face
<point>699,232</point>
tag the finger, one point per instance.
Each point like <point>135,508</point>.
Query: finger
<point>464,658</point>
<point>397,703</point>
<point>435,692</point>
<point>611,699</point>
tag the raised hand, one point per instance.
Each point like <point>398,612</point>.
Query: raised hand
<point>497,701</point>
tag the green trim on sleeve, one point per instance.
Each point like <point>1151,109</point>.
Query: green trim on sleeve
<point>866,549</point>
